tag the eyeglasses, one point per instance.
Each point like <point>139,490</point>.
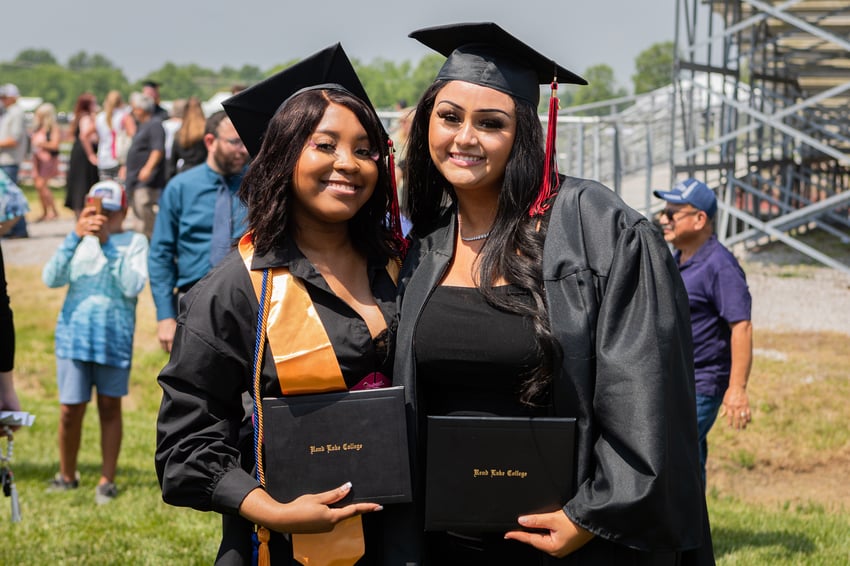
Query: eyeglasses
<point>233,142</point>
<point>671,214</point>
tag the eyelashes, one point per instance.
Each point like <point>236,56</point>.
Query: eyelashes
<point>330,148</point>
<point>484,123</point>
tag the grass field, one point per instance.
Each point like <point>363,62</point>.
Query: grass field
<point>777,492</point>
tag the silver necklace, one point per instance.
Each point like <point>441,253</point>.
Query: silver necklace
<point>474,238</point>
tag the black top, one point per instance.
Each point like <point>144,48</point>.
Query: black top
<point>204,457</point>
<point>149,137</point>
<point>473,357</point>
<point>7,327</point>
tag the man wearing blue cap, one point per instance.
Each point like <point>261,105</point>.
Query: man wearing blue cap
<point>720,307</point>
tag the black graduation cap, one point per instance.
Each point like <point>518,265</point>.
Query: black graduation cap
<point>485,54</point>
<point>251,109</point>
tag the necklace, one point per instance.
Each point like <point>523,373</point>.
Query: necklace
<point>474,238</point>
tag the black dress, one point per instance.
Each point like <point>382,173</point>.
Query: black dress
<point>81,175</point>
<point>472,359</point>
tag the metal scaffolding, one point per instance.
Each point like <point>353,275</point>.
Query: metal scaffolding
<point>757,110</point>
<point>760,99</point>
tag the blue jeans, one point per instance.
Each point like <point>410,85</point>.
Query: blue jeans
<point>707,409</point>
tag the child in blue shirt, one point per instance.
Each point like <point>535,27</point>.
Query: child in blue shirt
<point>105,269</point>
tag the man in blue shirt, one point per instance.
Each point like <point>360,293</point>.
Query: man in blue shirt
<point>720,307</point>
<point>199,217</point>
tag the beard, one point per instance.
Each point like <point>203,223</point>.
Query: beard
<point>228,164</point>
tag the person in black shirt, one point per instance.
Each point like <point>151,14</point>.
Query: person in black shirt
<point>318,195</point>
<point>537,294</point>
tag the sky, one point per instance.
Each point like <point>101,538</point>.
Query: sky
<point>140,36</point>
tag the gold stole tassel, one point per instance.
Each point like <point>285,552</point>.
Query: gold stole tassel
<point>305,363</point>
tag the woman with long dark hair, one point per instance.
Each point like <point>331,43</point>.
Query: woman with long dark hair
<point>318,195</point>
<point>529,294</point>
<point>82,163</point>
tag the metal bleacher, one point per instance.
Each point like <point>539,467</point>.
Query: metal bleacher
<point>758,109</point>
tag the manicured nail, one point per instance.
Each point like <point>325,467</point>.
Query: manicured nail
<point>379,508</point>
<point>346,486</point>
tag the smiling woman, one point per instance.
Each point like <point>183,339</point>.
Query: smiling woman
<point>314,275</point>
<point>538,296</point>
<point>337,171</point>
<point>471,133</point>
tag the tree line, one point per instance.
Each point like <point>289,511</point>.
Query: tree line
<point>37,72</point>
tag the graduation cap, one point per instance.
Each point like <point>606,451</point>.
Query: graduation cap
<point>487,55</point>
<point>252,109</point>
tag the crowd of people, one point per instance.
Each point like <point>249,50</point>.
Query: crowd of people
<point>280,263</point>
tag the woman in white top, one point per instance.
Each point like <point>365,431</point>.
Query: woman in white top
<point>115,129</point>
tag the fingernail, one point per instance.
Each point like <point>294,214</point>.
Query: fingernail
<point>379,508</point>
<point>346,486</point>
<point>522,520</point>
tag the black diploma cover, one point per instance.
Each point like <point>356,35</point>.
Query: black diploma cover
<point>317,442</point>
<point>484,472</point>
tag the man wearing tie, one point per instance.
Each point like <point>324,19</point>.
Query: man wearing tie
<point>199,217</point>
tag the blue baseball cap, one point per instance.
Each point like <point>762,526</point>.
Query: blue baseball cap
<point>692,192</point>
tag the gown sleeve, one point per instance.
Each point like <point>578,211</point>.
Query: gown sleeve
<point>203,457</point>
<point>623,317</point>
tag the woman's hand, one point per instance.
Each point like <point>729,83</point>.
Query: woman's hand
<point>562,538</point>
<point>307,514</point>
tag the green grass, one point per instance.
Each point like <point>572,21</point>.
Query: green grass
<point>800,409</point>
<point>777,535</point>
<point>68,528</point>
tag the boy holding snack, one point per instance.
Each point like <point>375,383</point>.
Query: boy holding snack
<point>105,268</point>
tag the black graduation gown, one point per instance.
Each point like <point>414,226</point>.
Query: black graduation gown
<point>204,457</point>
<point>619,310</point>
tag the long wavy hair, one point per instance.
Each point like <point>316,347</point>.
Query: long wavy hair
<point>267,187</point>
<point>85,105</point>
<point>514,249</point>
<point>193,127</point>
<point>112,101</point>
<point>44,117</point>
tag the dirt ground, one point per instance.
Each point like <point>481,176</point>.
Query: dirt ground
<point>822,483</point>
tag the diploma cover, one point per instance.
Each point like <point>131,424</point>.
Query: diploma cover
<point>328,439</point>
<point>484,472</point>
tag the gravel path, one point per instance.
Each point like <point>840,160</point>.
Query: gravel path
<point>787,293</point>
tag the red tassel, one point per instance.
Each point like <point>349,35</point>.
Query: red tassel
<point>395,210</point>
<point>550,168</point>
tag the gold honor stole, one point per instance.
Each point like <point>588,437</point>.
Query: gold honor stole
<point>305,363</point>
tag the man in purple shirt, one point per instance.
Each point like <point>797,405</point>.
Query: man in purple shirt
<point>720,307</point>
